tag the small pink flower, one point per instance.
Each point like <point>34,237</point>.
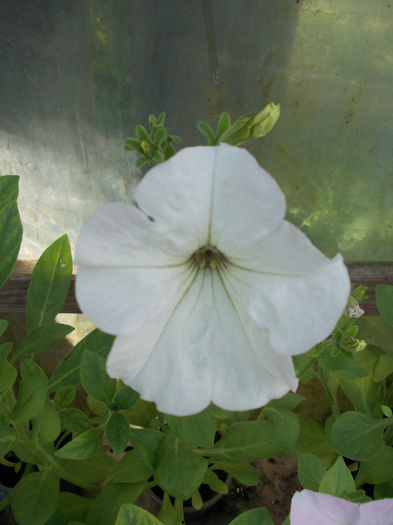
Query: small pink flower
<point>314,508</point>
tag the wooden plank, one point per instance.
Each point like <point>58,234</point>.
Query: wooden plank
<point>13,293</point>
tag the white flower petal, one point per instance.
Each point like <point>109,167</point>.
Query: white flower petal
<point>315,508</point>
<point>202,352</point>
<point>379,512</point>
<point>177,194</point>
<point>176,374</point>
<point>247,202</point>
<point>286,251</point>
<point>118,300</point>
<point>120,235</point>
<point>297,311</point>
<point>246,372</point>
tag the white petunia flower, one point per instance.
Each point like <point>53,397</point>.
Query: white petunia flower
<point>206,286</point>
<point>315,508</point>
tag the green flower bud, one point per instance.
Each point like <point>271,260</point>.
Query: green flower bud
<point>255,125</point>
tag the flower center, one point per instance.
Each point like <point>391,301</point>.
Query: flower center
<point>208,257</point>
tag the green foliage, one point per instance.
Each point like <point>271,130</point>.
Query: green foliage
<point>31,398</point>
<point>49,284</point>
<point>154,147</point>
<point>73,507</point>
<point>255,125</point>
<point>94,378</point>
<point>67,372</point>
<point>75,420</point>
<point>132,514</point>
<point>179,470</point>
<point>42,339</point>
<point>131,469</point>
<point>258,516</point>
<point>357,436</point>
<point>10,225</point>
<point>35,498</point>
<point>196,430</point>
<point>384,299</point>
<point>310,470</point>
<point>124,399</point>
<point>82,447</point>
<point>146,442</point>
<point>117,432</point>
<point>242,472</point>
<point>107,505</point>
<point>338,480</point>
<point>47,425</point>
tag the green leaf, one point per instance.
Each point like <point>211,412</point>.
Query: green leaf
<point>46,426</point>
<point>310,471</point>
<point>35,498</point>
<point>94,469</point>
<point>3,326</point>
<point>117,432</point>
<point>67,372</point>
<point>7,439</point>
<point>11,237</point>
<point>376,331</point>
<point>141,133</point>
<point>29,368</point>
<point>31,398</point>
<point>179,470</point>
<point>284,428</point>
<point>125,398</point>
<point>168,513</point>
<point>133,144</point>
<point>73,507</point>
<point>252,440</point>
<point>384,299</point>
<point>199,429</point>
<point>95,379</point>
<point>383,367</point>
<point>383,490</point>
<point>82,447</point>
<point>357,436</point>
<point>146,442</point>
<point>242,472</point>
<point>49,284</point>
<point>131,469</point>
<point>7,376</point>
<point>25,454</point>
<point>42,339</point>
<point>378,470</point>
<point>343,366</point>
<point>255,125</point>
<point>258,516</point>
<point>207,132</point>
<point>161,119</point>
<point>9,189</point>
<point>312,440</point>
<point>64,397</point>
<point>107,505</point>
<point>75,420</point>
<point>133,515</point>
<point>5,349</point>
<point>141,162</point>
<point>289,401</point>
<point>338,480</point>
<point>215,483</point>
<point>224,123</point>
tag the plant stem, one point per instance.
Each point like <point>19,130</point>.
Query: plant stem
<point>43,456</point>
<point>329,391</point>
